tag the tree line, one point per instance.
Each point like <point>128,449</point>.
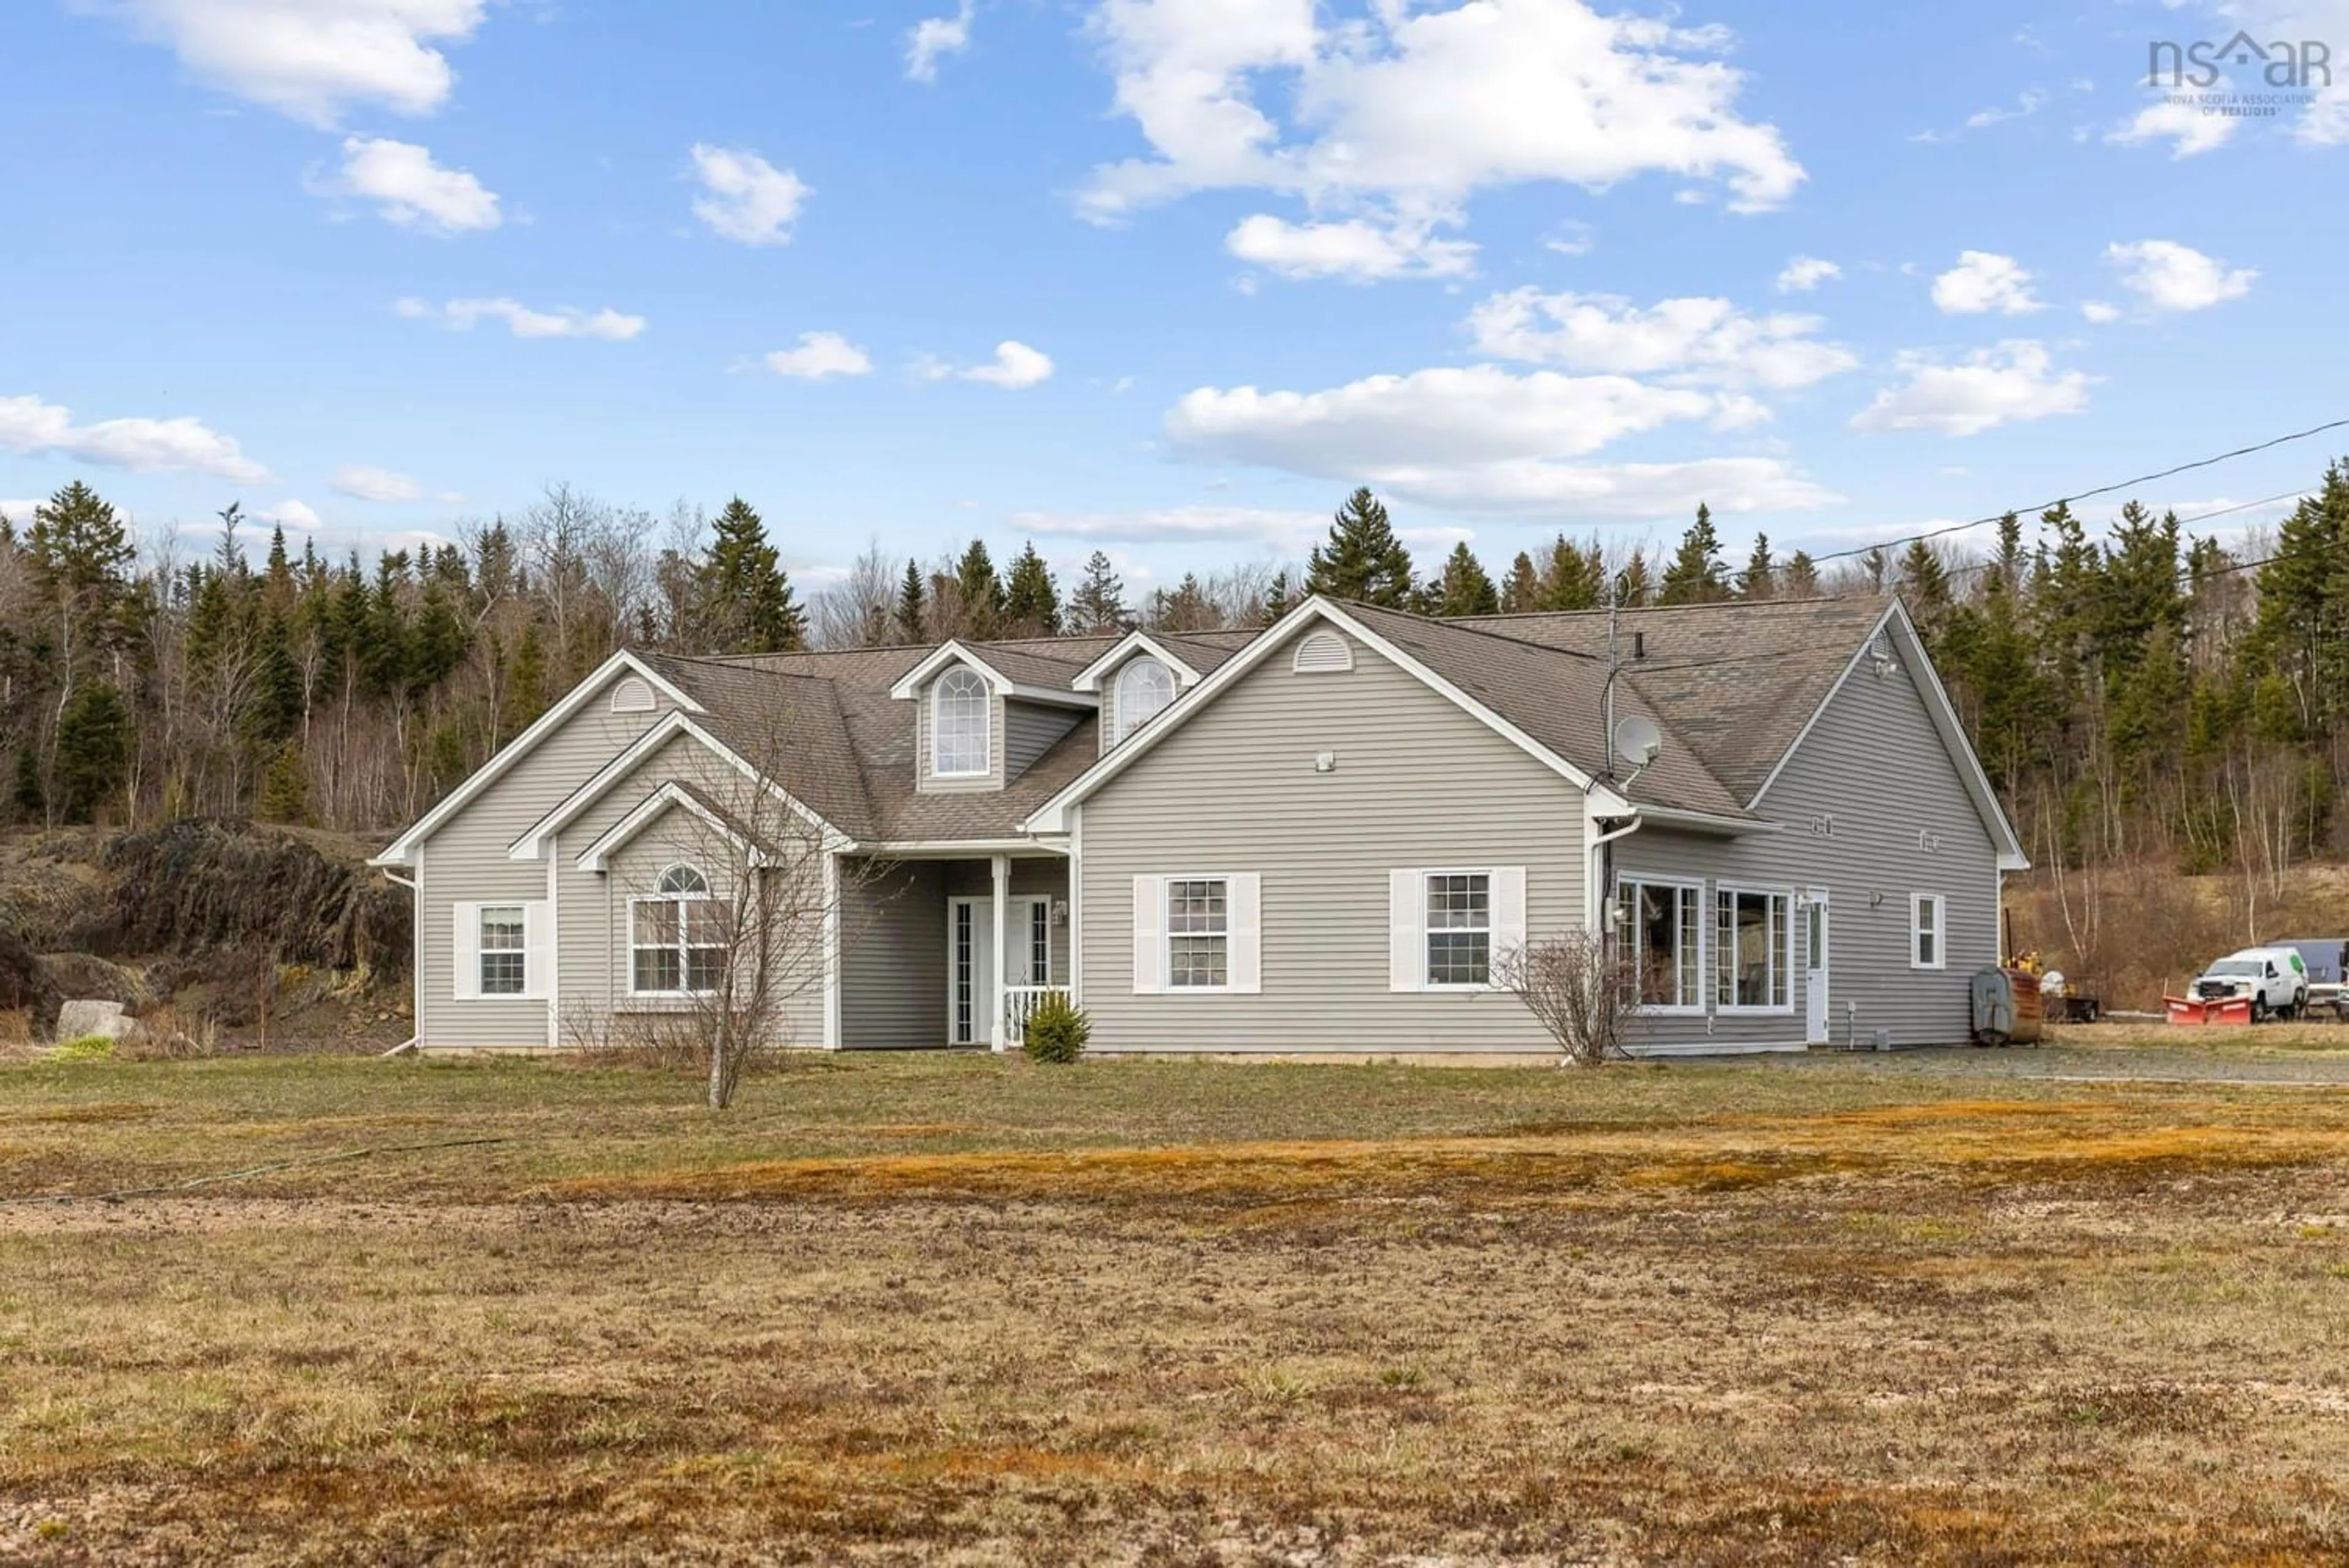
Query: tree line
<point>2143,695</point>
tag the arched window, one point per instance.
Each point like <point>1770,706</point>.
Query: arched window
<point>677,937</point>
<point>1144,688</point>
<point>960,709</point>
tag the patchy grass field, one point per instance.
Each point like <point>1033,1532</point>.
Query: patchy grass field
<point>965,1309</point>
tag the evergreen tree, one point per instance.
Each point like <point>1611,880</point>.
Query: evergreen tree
<point>1464,589</point>
<point>1187,609</point>
<point>913,616</point>
<point>1576,578</point>
<point>978,591</point>
<point>80,555</point>
<point>1801,580</point>
<point>285,787</point>
<point>1522,590</point>
<point>93,749</point>
<point>1278,597</point>
<point>1925,586</point>
<point>276,709</point>
<point>1032,600</point>
<point>1631,584</point>
<point>1362,559</point>
<point>1761,578</point>
<point>746,601</point>
<point>1099,604</point>
<point>1695,577</point>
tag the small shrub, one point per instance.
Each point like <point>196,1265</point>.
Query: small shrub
<point>89,1048</point>
<point>1057,1030</point>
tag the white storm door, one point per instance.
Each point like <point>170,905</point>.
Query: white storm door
<point>1815,963</point>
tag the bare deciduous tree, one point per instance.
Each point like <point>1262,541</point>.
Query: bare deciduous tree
<point>1579,987</point>
<point>854,611</point>
<point>725,913</point>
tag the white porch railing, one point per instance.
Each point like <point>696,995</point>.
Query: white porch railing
<point>1019,1003</point>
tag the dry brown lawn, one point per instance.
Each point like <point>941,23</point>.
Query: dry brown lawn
<point>961,1310</point>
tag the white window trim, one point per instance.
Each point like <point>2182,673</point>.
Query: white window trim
<point>680,947</point>
<point>1166,933</point>
<point>986,726</point>
<point>1704,939</point>
<point>1781,953</point>
<point>1242,933</point>
<point>1133,667</point>
<point>537,947</point>
<point>1505,899</point>
<point>1941,904</point>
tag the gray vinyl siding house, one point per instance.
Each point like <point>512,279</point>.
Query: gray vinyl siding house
<point>1311,839</point>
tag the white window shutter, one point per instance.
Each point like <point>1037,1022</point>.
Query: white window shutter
<point>468,919</point>
<point>1149,935</point>
<point>1508,909</point>
<point>1243,921</point>
<point>538,948</point>
<point>1406,935</point>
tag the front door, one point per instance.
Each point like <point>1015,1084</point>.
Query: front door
<point>970,960</point>
<point>1815,963</point>
<point>971,971</point>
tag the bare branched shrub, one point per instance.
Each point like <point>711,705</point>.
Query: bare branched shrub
<point>1579,987</point>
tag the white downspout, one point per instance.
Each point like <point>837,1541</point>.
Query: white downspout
<point>415,957</point>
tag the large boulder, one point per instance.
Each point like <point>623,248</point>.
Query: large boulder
<point>25,982</point>
<point>87,1017</point>
<point>86,974</point>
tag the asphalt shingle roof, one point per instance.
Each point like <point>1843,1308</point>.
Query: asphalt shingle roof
<point>1731,686</point>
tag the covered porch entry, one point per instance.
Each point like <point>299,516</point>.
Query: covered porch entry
<point>1008,937</point>
<point>954,951</point>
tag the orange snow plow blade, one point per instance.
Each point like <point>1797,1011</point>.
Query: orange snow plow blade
<point>2192,1010</point>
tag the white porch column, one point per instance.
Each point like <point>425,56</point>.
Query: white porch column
<point>1002,867</point>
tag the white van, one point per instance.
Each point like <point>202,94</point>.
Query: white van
<point>2275,979</point>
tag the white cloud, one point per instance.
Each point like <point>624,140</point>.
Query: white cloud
<point>1406,113</point>
<point>1982,282</point>
<point>34,428</point>
<point>820,354</point>
<point>15,511</point>
<point>1803,273</point>
<point>934,38</point>
<point>1570,238</point>
<point>1693,339</point>
<point>2100,311</point>
<point>1283,530</point>
<point>1015,367</point>
<point>2190,130</point>
<point>2030,102</point>
<point>1483,438</point>
<point>564,321</point>
<point>2170,276</point>
<point>293,513</point>
<point>2002,384</point>
<point>745,197</point>
<point>410,190</point>
<point>1356,250</point>
<point>361,482</point>
<point>312,59</point>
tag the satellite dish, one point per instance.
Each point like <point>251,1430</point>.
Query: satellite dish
<point>1638,741</point>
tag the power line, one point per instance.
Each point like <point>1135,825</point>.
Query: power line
<point>2099,490</point>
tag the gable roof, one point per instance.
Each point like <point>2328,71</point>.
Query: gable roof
<point>401,851</point>
<point>1735,687</point>
<point>1735,684</point>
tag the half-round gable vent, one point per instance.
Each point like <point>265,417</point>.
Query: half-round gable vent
<point>1323,653</point>
<point>634,695</point>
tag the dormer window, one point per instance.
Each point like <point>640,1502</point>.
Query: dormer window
<point>961,710</point>
<point>1144,689</point>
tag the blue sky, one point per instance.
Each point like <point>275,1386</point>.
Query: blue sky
<point>1163,276</point>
